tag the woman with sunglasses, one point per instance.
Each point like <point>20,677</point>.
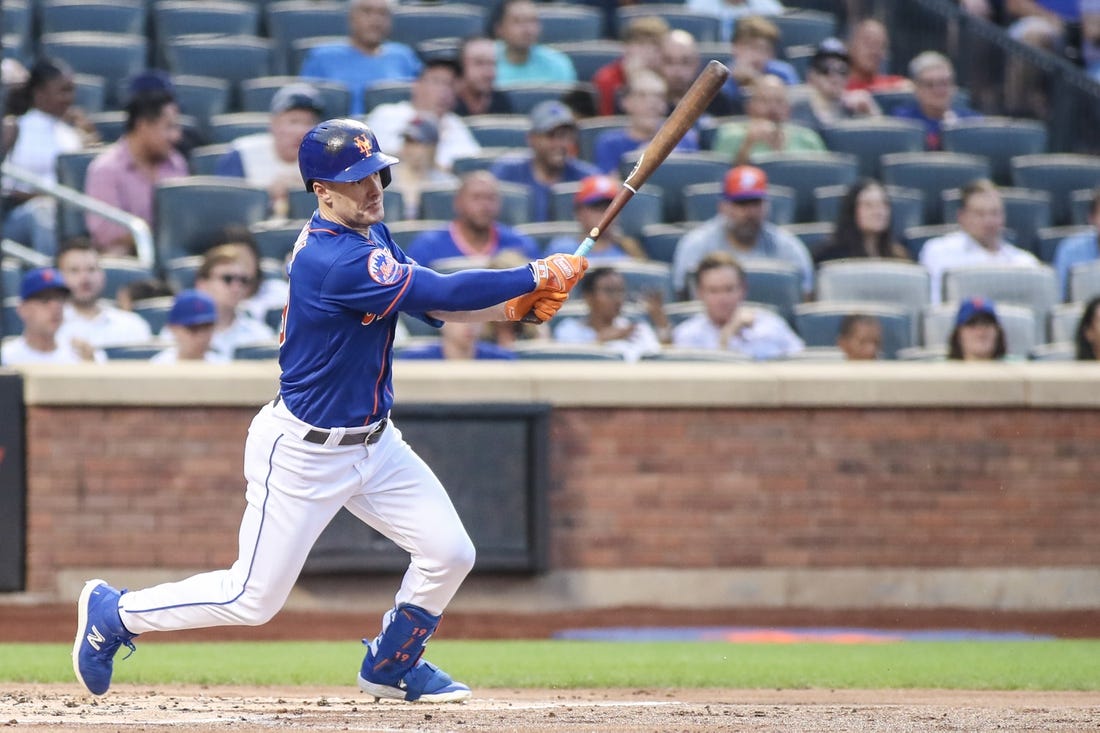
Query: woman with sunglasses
<point>828,99</point>
<point>227,277</point>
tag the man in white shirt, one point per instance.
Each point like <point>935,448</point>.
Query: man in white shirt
<point>43,293</point>
<point>725,323</point>
<point>87,318</point>
<point>191,322</point>
<point>604,291</point>
<point>433,97</point>
<point>979,241</point>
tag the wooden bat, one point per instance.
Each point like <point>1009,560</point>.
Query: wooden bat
<point>687,111</point>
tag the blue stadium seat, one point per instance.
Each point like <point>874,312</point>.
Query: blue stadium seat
<point>133,352</point>
<point>71,170</point>
<point>777,283</point>
<point>232,125</point>
<point>816,235</point>
<point>437,202</point>
<point>154,311</point>
<point>563,22</point>
<point>386,92</point>
<point>202,97</point>
<point>870,138</point>
<point>933,173</point>
<point>996,138</point>
<point>573,352</point>
<point>703,27</point>
<point>676,173</point>
<point>233,58</point>
<point>257,352</point>
<point>659,240</point>
<point>805,172</point>
<point>588,57</point>
<point>12,324</point>
<point>499,131</point>
<point>643,209</point>
<point>413,24</point>
<point>190,212</point>
<point>16,21</point>
<point>256,94</point>
<point>119,271</point>
<point>109,55</point>
<point>101,16</point>
<point>906,206</point>
<point>1060,174</point>
<point>804,27</point>
<point>701,202</point>
<point>590,128</point>
<point>291,21</point>
<point>525,97</point>
<point>204,159</point>
<point>819,323</point>
<point>874,280</point>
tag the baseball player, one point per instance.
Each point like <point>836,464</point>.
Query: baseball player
<point>326,441</point>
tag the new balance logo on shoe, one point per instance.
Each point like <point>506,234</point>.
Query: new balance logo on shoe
<point>95,638</point>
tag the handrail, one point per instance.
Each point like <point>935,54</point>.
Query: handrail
<point>143,236</point>
<point>23,253</point>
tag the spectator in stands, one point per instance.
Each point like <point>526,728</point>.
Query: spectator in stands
<point>270,159</point>
<point>604,291</point>
<point>726,323</point>
<point>43,294</point>
<point>979,241</point>
<point>191,323</point>
<point>553,140</point>
<point>1079,248</point>
<point>475,90</point>
<point>458,340</point>
<point>138,290</point>
<point>227,278</point>
<point>681,63</point>
<point>521,59</point>
<point>740,228</point>
<point>87,317</point>
<point>476,231</point>
<point>433,97</point>
<point>860,337</point>
<point>645,100</point>
<point>934,79</point>
<point>829,100</point>
<point>642,39</point>
<point>264,293</point>
<point>768,127</point>
<point>863,226</point>
<point>589,204</point>
<point>753,55</point>
<point>1087,336</point>
<point>418,169</point>
<point>868,49</point>
<point>126,172</point>
<point>366,58</point>
<point>45,124</point>
<point>729,12</point>
<point>1042,24</point>
<point>978,334</point>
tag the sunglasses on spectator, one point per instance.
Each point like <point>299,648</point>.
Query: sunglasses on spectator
<point>230,279</point>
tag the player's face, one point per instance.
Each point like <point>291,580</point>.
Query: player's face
<point>81,271</point>
<point>721,292</point>
<point>356,205</point>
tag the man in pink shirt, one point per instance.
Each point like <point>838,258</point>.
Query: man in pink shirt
<point>125,174</point>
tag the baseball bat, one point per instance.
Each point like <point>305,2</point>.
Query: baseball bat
<point>683,116</point>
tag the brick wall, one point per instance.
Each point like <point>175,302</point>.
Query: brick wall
<point>631,488</point>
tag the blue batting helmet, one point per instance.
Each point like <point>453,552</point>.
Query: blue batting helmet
<point>343,151</point>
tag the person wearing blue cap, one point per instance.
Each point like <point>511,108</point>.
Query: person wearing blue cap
<point>978,334</point>
<point>43,294</point>
<point>191,322</point>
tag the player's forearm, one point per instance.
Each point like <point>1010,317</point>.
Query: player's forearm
<point>492,313</point>
<point>467,290</point>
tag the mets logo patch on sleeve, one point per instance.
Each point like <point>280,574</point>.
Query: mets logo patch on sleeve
<point>384,269</point>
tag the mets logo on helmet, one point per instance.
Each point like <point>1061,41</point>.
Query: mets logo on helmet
<point>363,143</point>
<point>383,269</point>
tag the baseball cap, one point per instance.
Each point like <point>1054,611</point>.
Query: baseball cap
<point>550,115</point>
<point>972,307</point>
<point>829,48</point>
<point>192,308</point>
<point>745,183</point>
<point>40,280</point>
<point>149,81</point>
<point>297,96</point>
<point>595,189</point>
<point>422,130</point>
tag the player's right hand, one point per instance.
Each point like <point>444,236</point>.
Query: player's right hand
<point>540,304</point>
<point>558,273</point>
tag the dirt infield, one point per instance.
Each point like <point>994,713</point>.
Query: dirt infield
<point>240,709</point>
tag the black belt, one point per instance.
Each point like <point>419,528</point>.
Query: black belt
<point>321,436</point>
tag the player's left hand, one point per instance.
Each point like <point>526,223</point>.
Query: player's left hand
<point>541,304</point>
<point>558,273</point>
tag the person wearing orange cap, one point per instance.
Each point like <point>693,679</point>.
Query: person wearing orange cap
<point>589,204</point>
<point>740,227</point>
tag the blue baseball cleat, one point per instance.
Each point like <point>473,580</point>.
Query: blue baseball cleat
<point>423,683</point>
<point>99,634</point>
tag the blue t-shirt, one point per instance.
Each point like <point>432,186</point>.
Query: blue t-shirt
<point>544,65</point>
<point>344,63</point>
<point>521,170</point>
<point>482,350</point>
<point>1075,250</point>
<point>611,145</point>
<point>933,129</point>
<point>428,247</point>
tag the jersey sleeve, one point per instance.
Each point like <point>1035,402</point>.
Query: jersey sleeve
<point>371,280</point>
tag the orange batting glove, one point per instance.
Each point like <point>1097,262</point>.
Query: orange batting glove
<point>558,273</point>
<point>540,303</point>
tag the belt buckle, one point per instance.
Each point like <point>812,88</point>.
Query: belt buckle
<point>375,435</point>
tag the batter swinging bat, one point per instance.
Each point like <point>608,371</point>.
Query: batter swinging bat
<point>690,107</point>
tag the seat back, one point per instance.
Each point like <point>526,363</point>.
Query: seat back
<point>819,323</point>
<point>671,353</point>
<point>256,94</point>
<point>870,138</point>
<point>1026,212</point>
<point>119,271</point>
<point>1048,239</point>
<point>109,55</point>
<point>499,131</point>
<point>1033,287</point>
<point>804,27</point>
<point>275,239</point>
<point>701,202</point>
<point>100,16</point>
<point>805,172</point>
<point>1060,174</point>
<point>258,351</point>
<point>575,352</point>
<point>588,57</point>
<point>233,58</point>
<point>1084,281</point>
<point>404,232</point>
<point>915,237</point>
<point>203,160</point>
<point>1018,322</point>
<point>642,210</point>
<point>288,21</point>
<point>643,278</point>
<point>702,27</point>
<point>1056,351</point>
<point>544,232</point>
<point>155,311</point>
<point>16,21</point>
<point>176,18</point>
<point>933,173</point>
<point>815,235</point>
<point>228,127</point>
<point>71,170</point>
<point>777,283</point>
<point>906,206</point>
<point>877,281</point>
<point>676,173</point>
<point>482,161</point>
<point>437,202</point>
<point>996,138</point>
<point>413,24</point>
<point>133,352</point>
<point>524,97</point>
<point>590,128</point>
<point>202,97</point>
<point>659,240</point>
<point>10,322</point>
<point>563,21</point>
<point>188,213</point>
<point>1064,318</point>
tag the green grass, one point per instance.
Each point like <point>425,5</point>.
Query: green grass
<point>1035,665</point>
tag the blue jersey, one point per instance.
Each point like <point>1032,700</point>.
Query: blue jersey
<point>346,289</point>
